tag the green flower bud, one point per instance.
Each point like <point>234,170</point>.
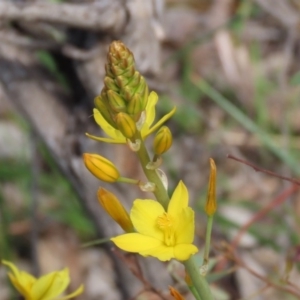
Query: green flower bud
<point>126,125</point>
<point>122,81</point>
<point>103,109</point>
<point>111,84</point>
<point>127,93</point>
<point>162,140</point>
<point>101,167</point>
<point>129,72</point>
<point>116,102</point>
<point>116,70</point>
<point>108,71</point>
<point>134,106</point>
<point>135,80</point>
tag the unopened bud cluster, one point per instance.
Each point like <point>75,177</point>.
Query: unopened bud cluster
<point>125,93</point>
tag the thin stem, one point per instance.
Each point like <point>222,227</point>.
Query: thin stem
<point>207,239</point>
<point>195,293</point>
<point>128,180</point>
<point>96,242</point>
<point>200,283</point>
<point>160,192</point>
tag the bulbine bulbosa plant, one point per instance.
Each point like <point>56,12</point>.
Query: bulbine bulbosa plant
<point>162,227</point>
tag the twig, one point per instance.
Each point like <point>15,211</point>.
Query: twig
<point>277,201</point>
<point>234,257</point>
<point>133,264</point>
<point>258,169</point>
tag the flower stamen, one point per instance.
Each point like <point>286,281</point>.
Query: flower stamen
<point>166,225</point>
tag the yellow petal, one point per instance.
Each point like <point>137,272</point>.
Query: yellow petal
<point>159,123</point>
<point>184,251</point>
<point>162,252</point>
<point>150,109</point>
<point>24,290</point>
<point>135,242</point>
<point>51,285</point>
<point>22,281</point>
<point>107,128</point>
<point>74,294</point>
<point>179,199</point>
<point>104,140</point>
<point>185,226</point>
<point>144,214</point>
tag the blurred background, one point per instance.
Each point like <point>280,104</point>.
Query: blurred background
<point>231,67</point>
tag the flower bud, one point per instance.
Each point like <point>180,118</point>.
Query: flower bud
<point>126,125</point>
<point>135,105</point>
<point>122,81</point>
<point>103,109</point>
<point>116,102</point>
<point>211,202</point>
<point>176,295</point>
<point>120,58</point>
<point>115,209</point>
<point>101,167</point>
<point>162,140</point>
<point>110,84</point>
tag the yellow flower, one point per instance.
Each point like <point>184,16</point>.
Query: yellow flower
<point>161,234</point>
<point>143,125</point>
<point>47,287</point>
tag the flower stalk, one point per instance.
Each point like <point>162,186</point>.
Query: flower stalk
<point>199,281</point>
<point>125,110</point>
<point>160,192</point>
<point>210,209</point>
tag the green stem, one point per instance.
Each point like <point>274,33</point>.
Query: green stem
<point>195,293</point>
<point>207,239</point>
<point>160,192</point>
<point>199,282</point>
<point>128,180</point>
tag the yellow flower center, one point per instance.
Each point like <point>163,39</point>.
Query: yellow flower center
<point>165,224</point>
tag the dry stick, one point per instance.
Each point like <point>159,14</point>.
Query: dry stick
<point>102,15</point>
<point>242,264</point>
<point>258,169</point>
<point>277,201</point>
<point>138,273</point>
